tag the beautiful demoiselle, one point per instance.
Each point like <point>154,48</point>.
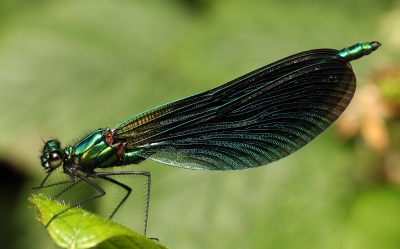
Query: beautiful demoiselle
<point>248,122</point>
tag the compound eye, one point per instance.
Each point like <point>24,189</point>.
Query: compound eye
<point>55,159</point>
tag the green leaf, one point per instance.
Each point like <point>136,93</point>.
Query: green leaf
<point>77,228</point>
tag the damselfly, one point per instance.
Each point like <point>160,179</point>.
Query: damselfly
<point>248,122</point>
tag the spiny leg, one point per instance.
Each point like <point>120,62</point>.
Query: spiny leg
<point>128,192</point>
<point>94,185</point>
<point>66,171</point>
<point>105,176</point>
<point>68,188</point>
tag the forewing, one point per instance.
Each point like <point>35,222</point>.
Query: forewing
<point>251,121</point>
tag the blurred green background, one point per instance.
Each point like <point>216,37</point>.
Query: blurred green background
<point>69,67</point>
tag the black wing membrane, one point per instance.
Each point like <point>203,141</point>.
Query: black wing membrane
<point>251,121</point>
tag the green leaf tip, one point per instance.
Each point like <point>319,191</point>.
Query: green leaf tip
<point>77,228</point>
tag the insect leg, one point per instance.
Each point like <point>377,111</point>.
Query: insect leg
<point>105,176</point>
<point>86,179</point>
<point>67,188</point>
<point>66,171</point>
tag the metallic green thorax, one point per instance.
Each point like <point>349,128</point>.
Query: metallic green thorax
<point>358,50</point>
<point>97,150</point>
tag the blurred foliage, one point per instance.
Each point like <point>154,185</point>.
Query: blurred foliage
<point>68,67</point>
<point>197,6</point>
<point>388,82</point>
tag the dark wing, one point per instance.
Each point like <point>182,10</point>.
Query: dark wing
<point>251,121</point>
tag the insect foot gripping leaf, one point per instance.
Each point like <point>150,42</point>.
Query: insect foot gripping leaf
<point>77,228</point>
